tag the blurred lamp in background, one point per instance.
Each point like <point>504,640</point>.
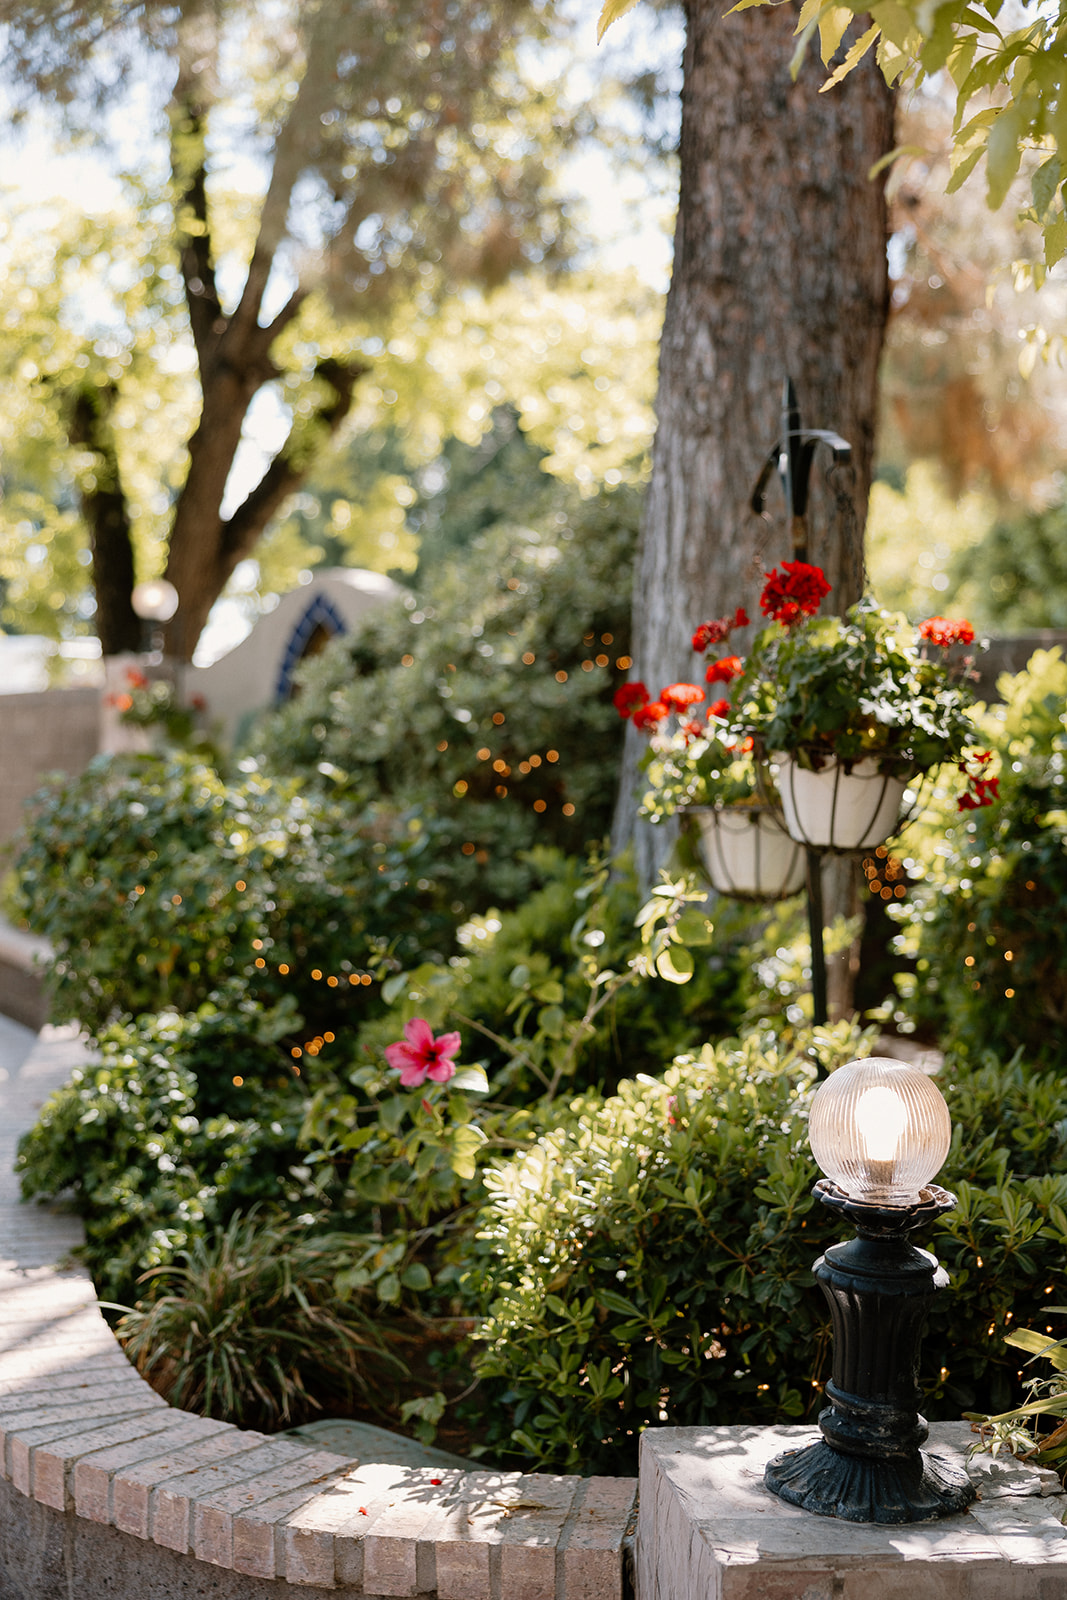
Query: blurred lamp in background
<point>880,1131</point>
<point>155,602</point>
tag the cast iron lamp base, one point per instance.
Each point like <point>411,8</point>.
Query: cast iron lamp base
<point>868,1466</point>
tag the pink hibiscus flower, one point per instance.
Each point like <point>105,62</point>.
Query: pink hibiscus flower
<point>423,1056</point>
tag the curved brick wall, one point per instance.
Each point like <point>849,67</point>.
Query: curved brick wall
<point>108,1490</point>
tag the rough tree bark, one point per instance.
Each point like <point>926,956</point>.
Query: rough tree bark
<point>779,268</point>
<point>107,517</point>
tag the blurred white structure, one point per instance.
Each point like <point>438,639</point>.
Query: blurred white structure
<point>259,672</point>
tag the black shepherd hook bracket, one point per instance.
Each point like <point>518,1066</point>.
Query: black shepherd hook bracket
<point>791,458</point>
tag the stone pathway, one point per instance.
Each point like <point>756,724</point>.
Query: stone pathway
<point>31,1067</point>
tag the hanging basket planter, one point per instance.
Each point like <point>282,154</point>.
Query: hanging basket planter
<point>746,853</point>
<point>840,808</point>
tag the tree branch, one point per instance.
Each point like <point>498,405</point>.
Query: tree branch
<point>293,153</point>
<point>288,470</point>
<point>195,253</point>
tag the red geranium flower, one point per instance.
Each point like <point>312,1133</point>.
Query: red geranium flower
<point>720,709</point>
<point>793,593</point>
<point>419,1055</point>
<point>679,696</point>
<point>647,716</point>
<point>725,669</point>
<point>979,791</point>
<point>944,631</point>
<point>135,679</point>
<point>718,629</point>
<point>629,696</point>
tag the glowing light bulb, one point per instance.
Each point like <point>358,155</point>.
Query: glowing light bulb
<point>881,1117</point>
<point>880,1130</point>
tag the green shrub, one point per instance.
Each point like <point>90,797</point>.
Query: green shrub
<point>157,883</point>
<point>251,1327</point>
<point>485,699</point>
<point>651,1257</point>
<point>179,1122</point>
<point>986,918</point>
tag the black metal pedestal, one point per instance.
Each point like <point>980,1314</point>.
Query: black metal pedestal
<point>869,1465</point>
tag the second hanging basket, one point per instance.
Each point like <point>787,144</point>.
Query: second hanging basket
<point>746,852</point>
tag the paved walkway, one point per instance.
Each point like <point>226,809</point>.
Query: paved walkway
<point>31,1067</point>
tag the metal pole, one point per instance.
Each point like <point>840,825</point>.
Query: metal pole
<point>819,1014</point>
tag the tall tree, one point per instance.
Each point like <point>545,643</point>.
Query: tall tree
<point>395,165</point>
<point>779,268</point>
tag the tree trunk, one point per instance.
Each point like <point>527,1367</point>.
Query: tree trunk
<point>779,269</point>
<point>106,513</point>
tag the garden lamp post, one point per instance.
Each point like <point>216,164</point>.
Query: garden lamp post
<point>880,1131</point>
<point>155,602</point>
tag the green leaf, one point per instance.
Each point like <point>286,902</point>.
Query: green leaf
<point>1043,185</point>
<point>616,1302</point>
<point>550,1020</point>
<point>613,10</point>
<point>393,987</point>
<point>417,1276</point>
<point>855,56</point>
<point>1055,245</point>
<point>472,1080</point>
<point>1003,154</point>
<point>1039,1344</point>
<point>675,964</point>
<point>693,928</point>
<point>894,155</point>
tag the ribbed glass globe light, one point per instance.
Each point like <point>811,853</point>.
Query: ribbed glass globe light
<point>155,600</point>
<point>880,1130</point>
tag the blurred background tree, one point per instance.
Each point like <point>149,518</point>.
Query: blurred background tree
<point>399,152</point>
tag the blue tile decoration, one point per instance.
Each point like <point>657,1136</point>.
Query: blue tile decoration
<point>320,613</point>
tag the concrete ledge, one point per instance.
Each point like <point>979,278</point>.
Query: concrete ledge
<point>100,1479</point>
<point>22,959</point>
<point>708,1528</point>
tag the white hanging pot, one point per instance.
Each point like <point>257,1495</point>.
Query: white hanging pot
<point>835,809</point>
<point>747,853</point>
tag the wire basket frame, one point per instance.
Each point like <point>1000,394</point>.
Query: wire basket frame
<point>746,852</point>
<point>844,810</point>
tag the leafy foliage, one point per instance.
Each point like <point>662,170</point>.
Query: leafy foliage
<point>486,705</point>
<point>651,1258</point>
<point>178,1123</point>
<point>984,920</point>
<point>1014,59</point>
<point>252,1326</point>
<point>157,883</point>
<point>854,686</point>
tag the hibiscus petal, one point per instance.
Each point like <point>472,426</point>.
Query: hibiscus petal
<point>419,1033</point>
<point>413,1075</point>
<point>402,1057</point>
<point>446,1044</point>
<point>441,1071</point>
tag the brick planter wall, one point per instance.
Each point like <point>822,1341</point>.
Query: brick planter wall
<point>106,1490</point>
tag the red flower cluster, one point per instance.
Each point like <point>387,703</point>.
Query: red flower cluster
<point>944,631</point>
<point>629,696</point>
<point>979,791</point>
<point>647,716</point>
<point>725,670</point>
<point>793,593</point>
<point>135,679</point>
<point>718,629</point>
<point>719,709</point>
<point>680,696</point>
